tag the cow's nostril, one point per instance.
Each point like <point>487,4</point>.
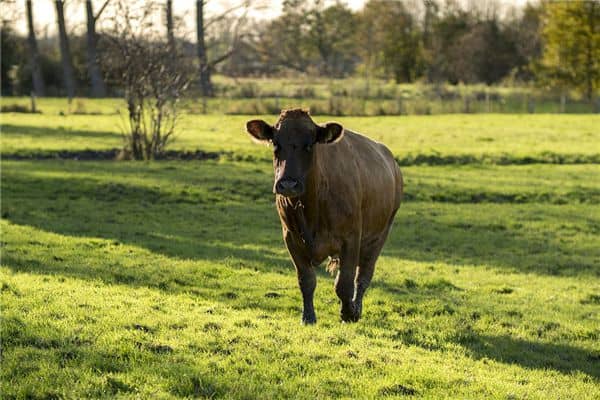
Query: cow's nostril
<point>288,184</point>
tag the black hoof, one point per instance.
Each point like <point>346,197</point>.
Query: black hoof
<point>309,319</point>
<point>350,318</point>
<point>350,313</point>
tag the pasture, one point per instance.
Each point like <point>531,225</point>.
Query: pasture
<point>170,279</point>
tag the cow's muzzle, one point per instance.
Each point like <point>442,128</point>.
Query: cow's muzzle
<point>289,187</point>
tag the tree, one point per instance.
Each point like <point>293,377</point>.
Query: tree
<point>331,36</point>
<point>395,38</point>
<point>308,37</point>
<point>206,64</point>
<point>571,46</point>
<point>11,47</point>
<point>170,24</point>
<point>65,51</point>
<point>524,30</point>
<point>152,76</point>
<point>485,53</point>
<point>444,52</point>
<point>283,41</point>
<point>98,87</point>
<point>474,44</point>
<point>34,56</point>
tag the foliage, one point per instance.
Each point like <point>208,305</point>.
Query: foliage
<point>309,37</point>
<point>391,38</point>
<point>571,35</point>
<point>11,46</point>
<point>430,40</point>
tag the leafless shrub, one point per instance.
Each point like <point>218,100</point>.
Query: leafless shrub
<point>152,75</point>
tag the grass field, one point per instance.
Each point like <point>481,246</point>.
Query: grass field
<point>170,279</point>
<point>483,137</point>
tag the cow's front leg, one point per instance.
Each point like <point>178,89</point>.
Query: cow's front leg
<point>344,281</point>
<point>307,278</point>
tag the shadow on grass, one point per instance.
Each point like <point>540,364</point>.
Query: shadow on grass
<point>199,221</point>
<point>36,132</point>
<point>215,212</point>
<point>546,240</point>
<point>534,355</point>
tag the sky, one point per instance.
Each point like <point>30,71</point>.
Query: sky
<point>45,16</point>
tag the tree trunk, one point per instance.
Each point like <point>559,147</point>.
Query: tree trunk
<point>98,86</point>
<point>205,83</point>
<point>34,56</point>
<point>170,34</point>
<point>589,86</point>
<point>65,51</point>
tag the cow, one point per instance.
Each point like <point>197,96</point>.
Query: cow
<point>337,193</point>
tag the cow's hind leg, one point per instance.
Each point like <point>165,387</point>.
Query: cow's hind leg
<point>344,281</point>
<point>366,267</point>
<point>364,274</point>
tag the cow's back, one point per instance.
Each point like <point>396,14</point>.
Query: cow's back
<point>368,177</point>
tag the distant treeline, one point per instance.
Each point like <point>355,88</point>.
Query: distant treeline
<point>546,43</point>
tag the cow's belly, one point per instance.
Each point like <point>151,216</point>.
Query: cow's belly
<point>324,246</point>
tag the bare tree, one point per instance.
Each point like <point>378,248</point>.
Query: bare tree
<point>207,65</point>
<point>65,51</point>
<point>98,86</point>
<point>34,55</point>
<point>153,77</point>
<point>170,24</point>
<point>205,83</point>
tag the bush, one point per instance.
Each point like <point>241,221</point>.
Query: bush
<point>154,77</point>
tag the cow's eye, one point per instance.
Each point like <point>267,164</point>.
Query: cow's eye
<point>308,147</point>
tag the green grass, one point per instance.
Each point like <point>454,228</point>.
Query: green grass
<point>483,137</point>
<point>170,279</point>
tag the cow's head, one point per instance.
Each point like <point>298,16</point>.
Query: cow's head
<point>293,138</point>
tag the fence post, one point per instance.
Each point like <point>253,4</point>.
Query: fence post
<point>530,105</point>
<point>367,91</point>
<point>487,101</point>
<point>467,108</point>
<point>563,102</point>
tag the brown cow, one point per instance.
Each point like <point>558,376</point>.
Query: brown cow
<point>337,193</point>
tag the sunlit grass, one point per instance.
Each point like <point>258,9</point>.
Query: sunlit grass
<point>171,280</point>
<point>447,135</point>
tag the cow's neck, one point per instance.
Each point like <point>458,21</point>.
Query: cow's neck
<point>305,208</point>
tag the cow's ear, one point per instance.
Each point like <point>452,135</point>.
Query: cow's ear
<point>260,130</point>
<point>329,132</point>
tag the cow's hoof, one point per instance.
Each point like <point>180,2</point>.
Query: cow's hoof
<point>350,313</point>
<point>350,318</point>
<point>309,319</point>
